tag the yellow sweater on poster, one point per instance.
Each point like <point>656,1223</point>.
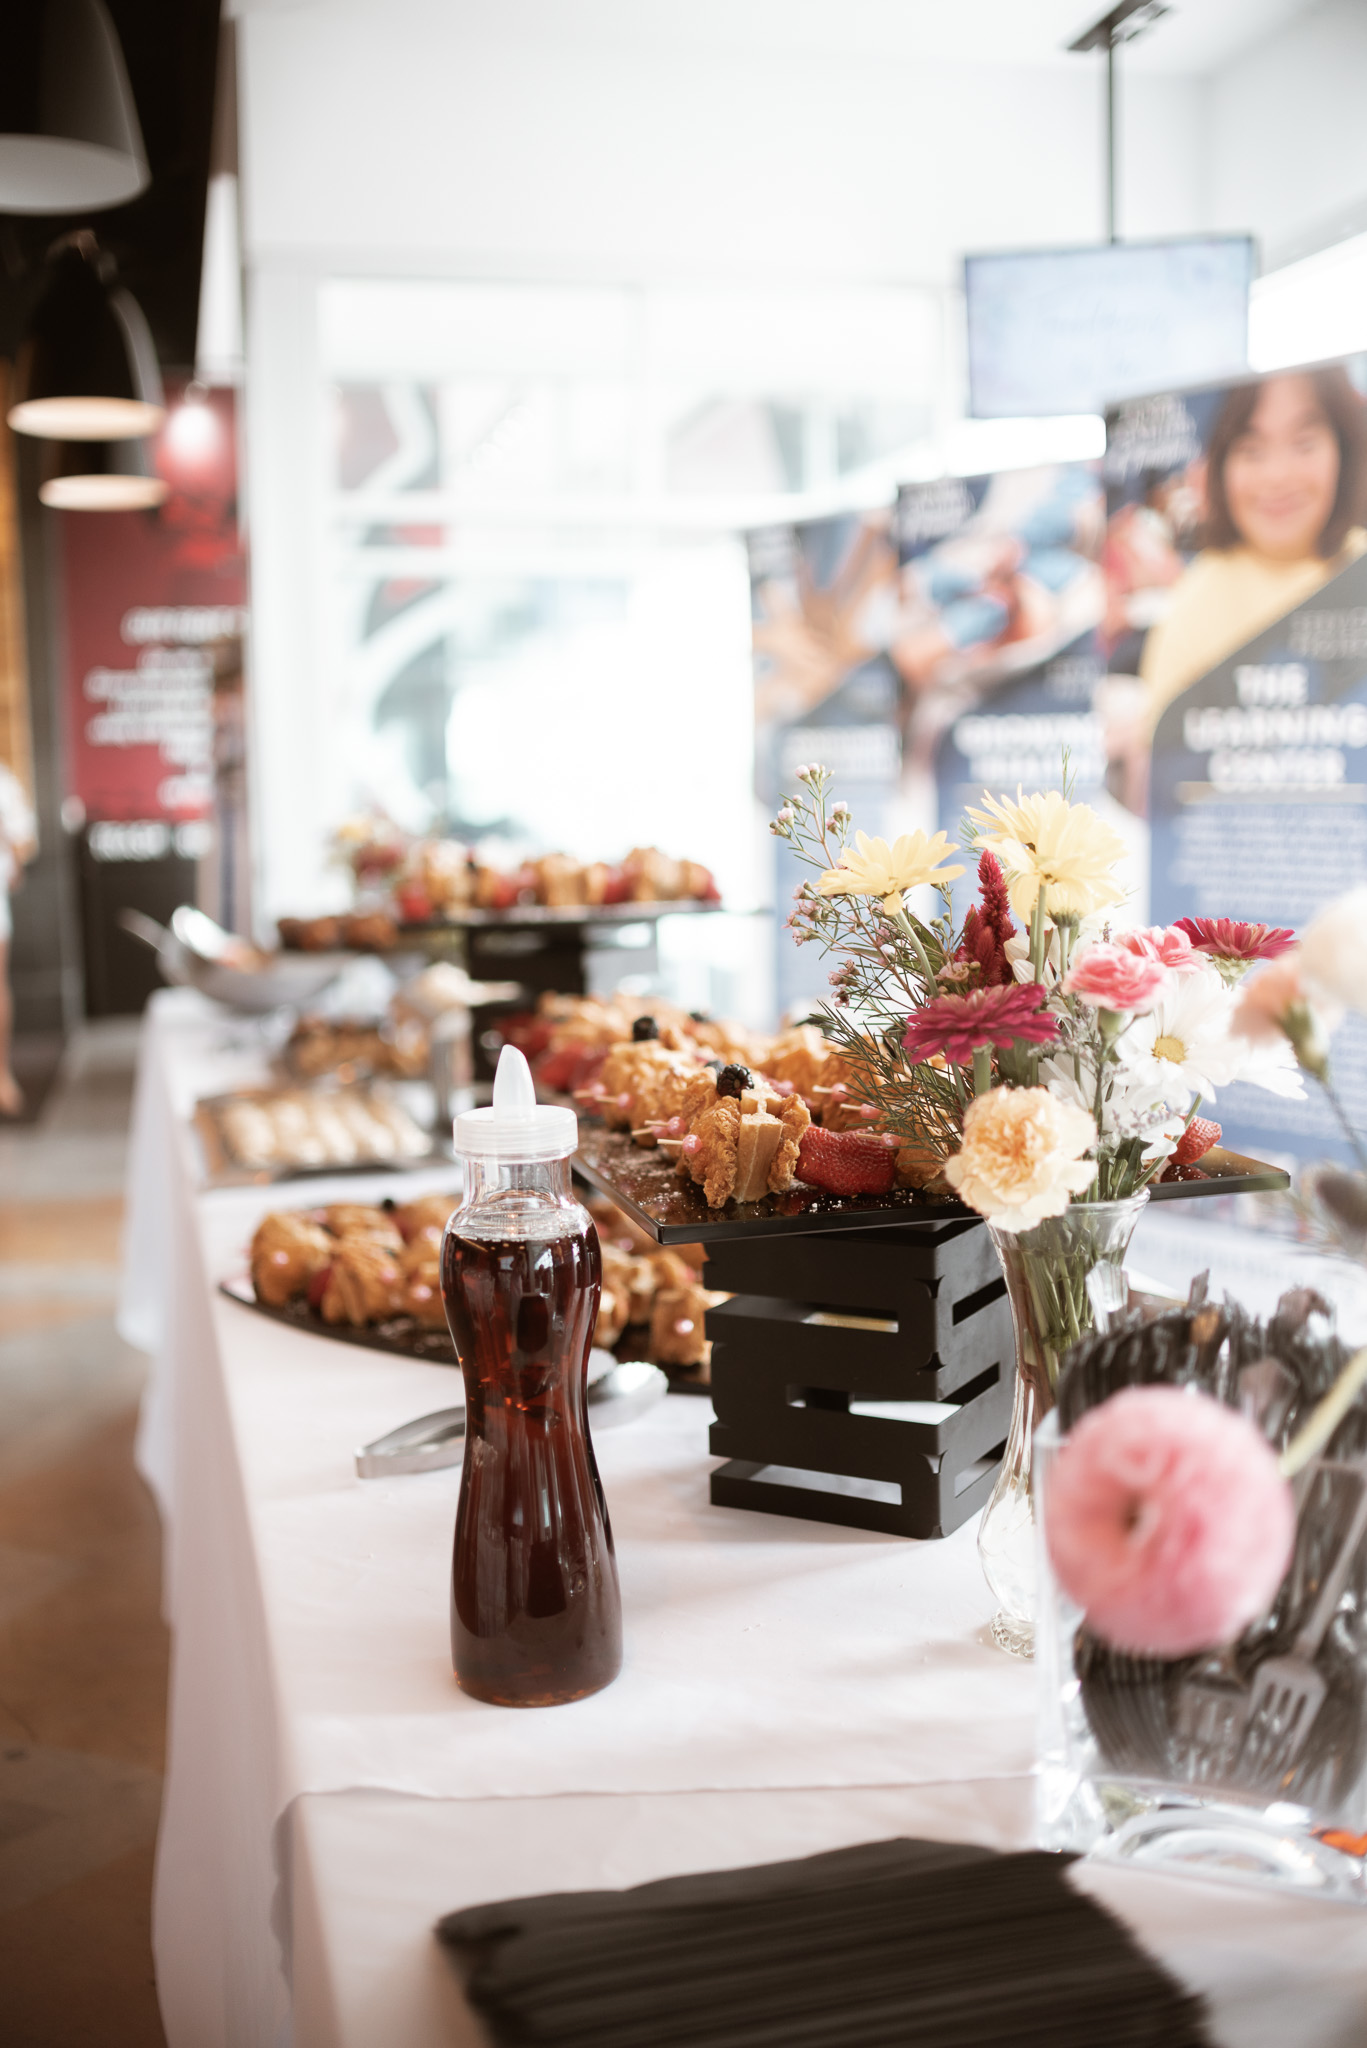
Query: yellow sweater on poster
<point>1222,600</point>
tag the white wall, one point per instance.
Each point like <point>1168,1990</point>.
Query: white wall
<point>440,133</point>
<point>1288,132</point>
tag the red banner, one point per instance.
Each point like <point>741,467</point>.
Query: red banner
<point>154,605</point>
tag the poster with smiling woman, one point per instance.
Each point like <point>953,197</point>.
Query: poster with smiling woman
<point>1235,639</point>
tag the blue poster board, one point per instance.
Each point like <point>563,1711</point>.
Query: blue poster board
<point>822,595</point>
<point>1259,811</point>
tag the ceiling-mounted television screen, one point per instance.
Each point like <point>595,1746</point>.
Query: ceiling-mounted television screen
<point>1072,330</point>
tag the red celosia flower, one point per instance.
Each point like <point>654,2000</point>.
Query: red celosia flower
<point>1225,939</point>
<point>957,1025</point>
<point>988,926</point>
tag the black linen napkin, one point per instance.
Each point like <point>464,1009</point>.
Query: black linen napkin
<point>896,1944</point>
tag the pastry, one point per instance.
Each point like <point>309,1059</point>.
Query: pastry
<point>630,1079</point>
<point>361,1220</point>
<point>370,931</point>
<point>288,1251</point>
<point>613,1305</point>
<point>744,1146</point>
<point>677,1329</point>
<point>420,1266</point>
<point>560,881</point>
<point>798,1057</point>
<point>428,1212</point>
<point>652,877</point>
<point>364,1284</point>
<point>249,1133</point>
<point>310,934</point>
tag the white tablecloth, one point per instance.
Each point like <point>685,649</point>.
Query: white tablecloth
<point>822,1679</point>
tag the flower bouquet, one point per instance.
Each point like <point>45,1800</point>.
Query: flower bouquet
<point>1048,1062</point>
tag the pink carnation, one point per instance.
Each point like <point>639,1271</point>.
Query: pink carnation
<point>1166,943</point>
<point>1112,978</point>
<point>1168,1521</point>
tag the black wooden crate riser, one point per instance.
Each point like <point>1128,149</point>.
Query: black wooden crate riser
<point>782,1383</point>
<point>750,1390</point>
<point>872,1270</point>
<point>928,1356</point>
<point>928,1508</point>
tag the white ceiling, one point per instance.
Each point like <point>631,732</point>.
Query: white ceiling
<point>1197,36</point>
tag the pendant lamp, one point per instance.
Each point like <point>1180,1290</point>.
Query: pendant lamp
<point>100,476</point>
<point>86,369</point>
<point>69,135</point>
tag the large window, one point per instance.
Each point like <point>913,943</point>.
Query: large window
<point>529,596</point>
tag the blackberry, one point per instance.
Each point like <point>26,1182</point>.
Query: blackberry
<point>643,1029</point>
<point>734,1080</point>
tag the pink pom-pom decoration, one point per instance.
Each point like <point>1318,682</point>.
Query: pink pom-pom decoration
<point>1168,1521</point>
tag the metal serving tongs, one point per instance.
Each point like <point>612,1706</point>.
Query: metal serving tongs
<point>617,1393</point>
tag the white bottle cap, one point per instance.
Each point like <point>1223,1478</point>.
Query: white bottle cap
<point>518,1127</point>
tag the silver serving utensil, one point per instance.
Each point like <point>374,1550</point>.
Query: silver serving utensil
<point>1288,1692</point>
<point>435,1441</point>
<point>1267,1389</point>
<point>1213,1703</point>
<point>428,1444</point>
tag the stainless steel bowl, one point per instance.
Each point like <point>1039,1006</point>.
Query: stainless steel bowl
<point>282,981</point>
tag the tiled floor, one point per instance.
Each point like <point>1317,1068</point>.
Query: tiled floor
<point>82,1647</point>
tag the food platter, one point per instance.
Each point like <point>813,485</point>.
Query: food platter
<point>645,1184</point>
<point>563,913</point>
<point>403,1335</point>
<point>224,1165</point>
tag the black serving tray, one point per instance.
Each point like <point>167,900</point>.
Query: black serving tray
<point>534,914</point>
<point>644,1183</point>
<point>404,1335</point>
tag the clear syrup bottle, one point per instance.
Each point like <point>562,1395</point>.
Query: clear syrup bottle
<point>536,1615</point>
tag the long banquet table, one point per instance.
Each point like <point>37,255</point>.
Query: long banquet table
<point>788,1686</point>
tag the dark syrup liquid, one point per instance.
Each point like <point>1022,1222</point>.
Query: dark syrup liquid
<point>536,1614</point>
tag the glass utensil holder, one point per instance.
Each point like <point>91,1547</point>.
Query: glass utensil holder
<point>1200,1766</point>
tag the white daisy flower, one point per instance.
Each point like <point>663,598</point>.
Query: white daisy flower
<point>1134,1104</point>
<point>1184,1041</point>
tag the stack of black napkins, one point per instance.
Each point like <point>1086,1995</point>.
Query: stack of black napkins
<point>927,1944</point>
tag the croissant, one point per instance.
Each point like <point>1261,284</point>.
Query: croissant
<point>287,1252</point>
<point>364,1285</point>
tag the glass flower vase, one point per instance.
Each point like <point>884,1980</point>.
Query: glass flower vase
<point>1049,1282</point>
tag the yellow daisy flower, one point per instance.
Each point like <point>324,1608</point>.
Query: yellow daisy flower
<point>873,868</point>
<point>1044,842</point>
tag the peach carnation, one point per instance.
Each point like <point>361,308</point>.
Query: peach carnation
<point>1114,978</point>
<point>1020,1159</point>
<point>1275,1004</point>
<point>1168,1521</point>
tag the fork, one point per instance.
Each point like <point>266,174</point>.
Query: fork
<point>1288,1692</point>
<point>1213,1702</point>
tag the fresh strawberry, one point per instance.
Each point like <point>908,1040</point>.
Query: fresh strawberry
<point>1198,1137</point>
<point>846,1162</point>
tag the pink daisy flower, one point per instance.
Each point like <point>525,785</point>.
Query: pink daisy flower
<point>1224,938</point>
<point>958,1025</point>
<point>1168,1521</point>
